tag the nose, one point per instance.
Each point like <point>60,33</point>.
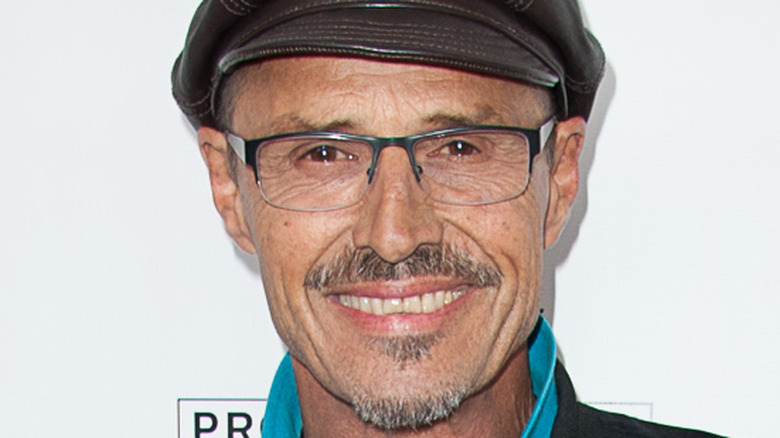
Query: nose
<point>396,214</point>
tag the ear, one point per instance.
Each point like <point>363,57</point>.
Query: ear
<point>224,189</point>
<point>564,176</point>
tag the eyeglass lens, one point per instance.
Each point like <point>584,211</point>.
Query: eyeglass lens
<point>321,172</point>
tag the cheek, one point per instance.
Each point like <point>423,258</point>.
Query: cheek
<point>289,244</point>
<point>509,235</point>
<point>292,241</point>
<point>506,229</point>
<point>286,247</point>
<point>522,251</point>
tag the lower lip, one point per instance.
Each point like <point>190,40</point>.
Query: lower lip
<point>399,323</point>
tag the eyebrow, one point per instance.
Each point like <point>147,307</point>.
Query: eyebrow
<point>297,124</point>
<point>485,113</point>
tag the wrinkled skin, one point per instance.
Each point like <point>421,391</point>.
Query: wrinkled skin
<point>479,341</point>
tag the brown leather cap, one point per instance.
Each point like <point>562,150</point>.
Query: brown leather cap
<point>541,42</point>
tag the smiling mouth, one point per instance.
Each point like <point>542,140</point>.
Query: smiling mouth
<point>426,303</point>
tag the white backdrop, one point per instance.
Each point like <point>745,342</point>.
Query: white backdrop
<point>120,292</point>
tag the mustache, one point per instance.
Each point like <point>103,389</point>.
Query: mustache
<point>365,265</point>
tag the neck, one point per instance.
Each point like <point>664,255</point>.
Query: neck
<point>501,409</point>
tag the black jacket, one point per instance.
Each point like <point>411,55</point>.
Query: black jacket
<point>576,420</point>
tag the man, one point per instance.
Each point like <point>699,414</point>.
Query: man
<point>398,168</point>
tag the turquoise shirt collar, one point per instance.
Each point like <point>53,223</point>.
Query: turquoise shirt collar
<point>541,358</point>
<point>283,413</point>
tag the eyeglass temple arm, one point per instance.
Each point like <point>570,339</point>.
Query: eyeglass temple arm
<point>237,144</point>
<point>545,131</point>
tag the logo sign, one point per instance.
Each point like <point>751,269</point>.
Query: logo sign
<point>220,418</point>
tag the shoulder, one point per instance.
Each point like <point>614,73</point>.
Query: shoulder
<point>577,420</point>
<point>595,423</point>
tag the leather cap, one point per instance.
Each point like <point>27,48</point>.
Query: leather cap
<point>542,42</point>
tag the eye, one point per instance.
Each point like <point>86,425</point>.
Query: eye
<point>457,148</point>
<point>326,154</point>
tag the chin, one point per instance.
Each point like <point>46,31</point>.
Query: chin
<point>404,407</point>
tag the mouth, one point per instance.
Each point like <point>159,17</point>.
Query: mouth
<point>415,304</point>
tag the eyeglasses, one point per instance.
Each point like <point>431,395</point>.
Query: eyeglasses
<point>319,171</point>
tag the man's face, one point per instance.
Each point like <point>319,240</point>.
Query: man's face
<point>477,319</point>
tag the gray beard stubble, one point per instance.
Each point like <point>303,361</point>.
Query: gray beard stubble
<point>365,265</point>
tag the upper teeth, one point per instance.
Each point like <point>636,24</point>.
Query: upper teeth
<point>425,303</point>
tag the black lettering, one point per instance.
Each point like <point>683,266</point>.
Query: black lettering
<point>199,428</point>
<point>232,429</point>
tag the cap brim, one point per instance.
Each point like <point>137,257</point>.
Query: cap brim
<point>397,34</point>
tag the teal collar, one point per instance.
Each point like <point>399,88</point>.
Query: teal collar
<point>283,413</point>
<point>541,358</point>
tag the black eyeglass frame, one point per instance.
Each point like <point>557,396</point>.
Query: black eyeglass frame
<point>247,149</point>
